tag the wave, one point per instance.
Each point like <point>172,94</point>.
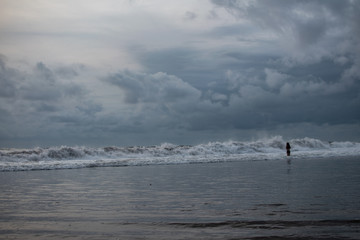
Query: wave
<point>80,156</point>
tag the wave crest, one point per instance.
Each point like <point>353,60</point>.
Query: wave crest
<point>167,153</point>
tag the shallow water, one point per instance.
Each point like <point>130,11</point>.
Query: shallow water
<point>298,199</point>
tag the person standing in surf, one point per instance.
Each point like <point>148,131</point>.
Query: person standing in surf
<point>288,149</point>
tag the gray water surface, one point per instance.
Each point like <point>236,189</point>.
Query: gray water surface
<point>317,198</point>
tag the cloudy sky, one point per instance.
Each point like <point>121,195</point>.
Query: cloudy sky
<point>143,72</point>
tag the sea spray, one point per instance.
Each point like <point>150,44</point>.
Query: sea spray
<point>167,153</point>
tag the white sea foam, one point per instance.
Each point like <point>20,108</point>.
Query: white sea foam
<point>81,157</point>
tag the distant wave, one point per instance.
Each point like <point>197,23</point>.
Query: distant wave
<point>166,153</point>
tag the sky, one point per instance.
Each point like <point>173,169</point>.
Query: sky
<point>145,72</point>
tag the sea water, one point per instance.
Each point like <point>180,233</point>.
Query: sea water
<point>65,157</point>
<point>300,199</point>
<point>313,194</point>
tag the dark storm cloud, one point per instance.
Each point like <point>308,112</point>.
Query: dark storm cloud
<point>259,91</point>
<point>8,79</point>
<point>245,100</point>
<point>306,21</point>
<point>318,77</point>
<point>159,87</point>
<point>158,101</point>
<point>308,30</point>
<point>167,102</point>
<point>43,85</point>
<point>40,84</point>
<point>35,100</point>
<point>206,69</point>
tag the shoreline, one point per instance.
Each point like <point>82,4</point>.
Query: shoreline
<point>234,159</point>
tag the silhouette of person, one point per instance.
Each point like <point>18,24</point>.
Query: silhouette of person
<point>288,149</point>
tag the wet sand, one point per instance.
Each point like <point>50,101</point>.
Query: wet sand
<point>302,199</point>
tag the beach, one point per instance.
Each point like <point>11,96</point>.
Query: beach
<point>314,198</point>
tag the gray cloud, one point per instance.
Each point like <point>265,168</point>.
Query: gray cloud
<point>8,79</point>
<point>159,87</point>
<point>35,100</point>
<point>307,30</point>
<point>190,15</point>
<point>318,75</point>
<point>309,21</point>
<point>44,85</point>
<point>207,72</point>
<point>163,101</point>
<point>272,98</point>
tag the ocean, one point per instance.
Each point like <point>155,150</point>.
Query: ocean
<point>218,190</point>
<point>65,157</point>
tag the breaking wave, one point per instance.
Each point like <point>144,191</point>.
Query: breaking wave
<point>81,157</point>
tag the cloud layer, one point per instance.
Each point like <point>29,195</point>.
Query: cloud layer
<point>132,72</point>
